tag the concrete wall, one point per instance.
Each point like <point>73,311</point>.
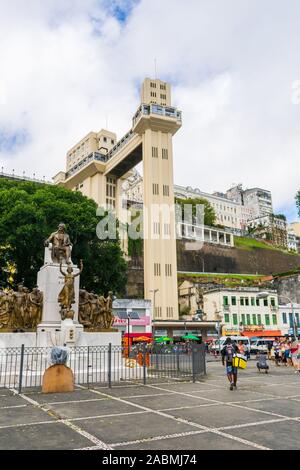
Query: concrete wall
<point>234,260</point>
<point>289,286</point>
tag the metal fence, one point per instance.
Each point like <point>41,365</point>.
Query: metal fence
<point>24,367</point>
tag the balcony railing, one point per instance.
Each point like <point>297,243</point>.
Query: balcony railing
<point>92,156</point>
<point>147,109</point>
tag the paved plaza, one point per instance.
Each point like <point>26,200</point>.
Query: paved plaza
<point>263,413</point>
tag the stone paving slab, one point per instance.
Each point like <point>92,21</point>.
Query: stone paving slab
<point>276,436</point>
<point>219,416</point>
<point>42,437</point>
<point>289,408</point>
<point>58,397</point>
<point>132,427</point>
<point>13,416</point>
<point>131,391</point>
<point>91,408</point>
<point>10,400</point>
<point>205,441</point>
<point>168,401</point>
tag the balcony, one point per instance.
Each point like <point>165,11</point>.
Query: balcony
<point>95,156</point>
<point>147,110</point>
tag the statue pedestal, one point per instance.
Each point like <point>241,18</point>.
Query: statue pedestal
<point>51,330</point>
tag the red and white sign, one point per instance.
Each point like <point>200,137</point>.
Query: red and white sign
<point>144,321</point>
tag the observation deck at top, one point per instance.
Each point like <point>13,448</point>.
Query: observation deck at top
<point>129,147</point>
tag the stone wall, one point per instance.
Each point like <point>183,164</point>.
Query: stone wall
<point>289,286</point>
<point>234,260</point>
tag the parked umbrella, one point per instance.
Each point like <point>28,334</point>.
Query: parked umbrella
<point>162,339</point>
<point>192,337</point>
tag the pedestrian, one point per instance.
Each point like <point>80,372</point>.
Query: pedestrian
<point>295,350</point>
<point>228,352</point>
<point>269,347</point>
<point>276,347</point>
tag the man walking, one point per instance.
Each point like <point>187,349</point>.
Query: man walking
<point>228,352</point>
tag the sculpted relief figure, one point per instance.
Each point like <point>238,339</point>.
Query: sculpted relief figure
<point>61,245</point>
<point>35,307</point>
<point>95,312</point>
<point>20,307</point>
<point>5,309</point>
<point>84,314</point>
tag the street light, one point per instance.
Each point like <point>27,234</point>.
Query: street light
<point>153,309</point>
<point>264,295</point>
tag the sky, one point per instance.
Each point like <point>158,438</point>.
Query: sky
<point>71,66</point>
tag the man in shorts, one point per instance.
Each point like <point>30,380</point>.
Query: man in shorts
<point>228,352</point>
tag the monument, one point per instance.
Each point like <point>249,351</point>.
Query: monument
<point>56,312</point>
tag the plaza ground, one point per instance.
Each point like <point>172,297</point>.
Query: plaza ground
<point>263,413</point>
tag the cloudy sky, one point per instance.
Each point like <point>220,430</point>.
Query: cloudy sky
<point>71,66</point>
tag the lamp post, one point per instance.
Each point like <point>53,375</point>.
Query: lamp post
<point>264,295</point>
<point>128,332</point>
<point>153,310</point>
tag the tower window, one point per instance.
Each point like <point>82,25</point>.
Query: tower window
<point>155,189</point>
<point>168,270</point>
<point>165,154</point>
<point>156,269</point>
<point>154,152</point>
<point>166,190</point>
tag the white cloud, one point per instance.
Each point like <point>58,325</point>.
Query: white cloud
<point>67,66</point>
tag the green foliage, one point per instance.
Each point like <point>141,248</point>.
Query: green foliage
<point>29,212</point>
<point>209,213</point>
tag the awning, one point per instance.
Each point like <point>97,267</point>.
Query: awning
<point>137,335</point>
<point>262,333</point>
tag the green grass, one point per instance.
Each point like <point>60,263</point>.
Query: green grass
<point>244,277</point>
<point>252,243</point>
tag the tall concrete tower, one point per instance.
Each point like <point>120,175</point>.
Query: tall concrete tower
<point>97,164</point>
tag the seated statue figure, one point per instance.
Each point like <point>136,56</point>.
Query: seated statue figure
<point>61,245</point>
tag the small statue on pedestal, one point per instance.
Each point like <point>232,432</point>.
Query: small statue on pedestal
<point>61,245</point>
<point>66,296</point>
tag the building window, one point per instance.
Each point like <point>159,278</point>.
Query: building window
<point>225,301</point>
<point>156,269</point>
<point>153,85</point>
<point>252,301</point>
<point>233,300</point>
<point>247,302</point>
<point>169,312</point>
<point>243,319</point>
<point>166,191</point>
<point>164,154</point>
<point>168,270</point>
<point>267,318</point>
<point>254,319</point>
<point>167,229</point>
<point>265,302</point>
<point>155,189</point>
<point>104,139</point>
<point>257,302</point>
<point>226,318</point>
<point>158,312</point>
<point>112,142</point>
<point>248,319</point>
<point>259,319</point>
<point>291,320</point>
<point>273,303</point>
<point>284,318</point>
<point>156,228</point>
<point>154,152</point>
<point>297,319</point>
<point>242,301</point>
<point>274,319</point>
<point>235,319</point>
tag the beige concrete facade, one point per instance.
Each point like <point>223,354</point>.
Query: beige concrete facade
<point>98,172</point>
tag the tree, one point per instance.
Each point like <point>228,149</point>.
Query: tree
<point>29,212</point>
<point>209,213</point>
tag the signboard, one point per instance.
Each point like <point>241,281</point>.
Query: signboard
<point>144,321</point>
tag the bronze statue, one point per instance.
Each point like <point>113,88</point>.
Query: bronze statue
<point>84,313</point>
<point>20,307</point>
<point>67,295</point>
<point>95,312</point>
<point>35,307</point>
<point>5,309</point>
<point>61,245</point>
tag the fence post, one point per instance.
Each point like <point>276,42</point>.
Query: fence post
<point>21,368</point>
<point>109,365</point>
<point>204,359</point>
<point>193,365</point>
<point>177,360</point>
<point>88,368</point>
<point>144,365</point>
